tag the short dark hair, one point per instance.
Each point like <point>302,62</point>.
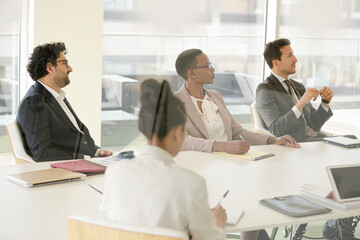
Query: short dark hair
<point>272,50</point>
<point>160,110</point>
<point>43,54</point>
<point>186,60</point>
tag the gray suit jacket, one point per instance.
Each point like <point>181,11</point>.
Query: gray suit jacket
<point>198,137</point>
<point>274,105</point>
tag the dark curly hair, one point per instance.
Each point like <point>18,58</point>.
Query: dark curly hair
<point>272,50</point>
<point>42,55</point>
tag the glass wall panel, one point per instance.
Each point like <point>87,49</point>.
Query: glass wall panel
<point>326,43</point>
<point>9,65</point>
<point>142,41</point>
<point>325,36</point>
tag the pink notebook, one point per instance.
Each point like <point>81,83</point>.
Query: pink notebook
<point>83,166</point>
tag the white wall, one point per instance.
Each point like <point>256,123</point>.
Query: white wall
<point>79,25</point>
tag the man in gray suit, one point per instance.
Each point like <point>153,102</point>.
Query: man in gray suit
<point>284,104</point>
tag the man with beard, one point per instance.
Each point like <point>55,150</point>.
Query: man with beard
<point>49,126</point>
<point>284,104</point>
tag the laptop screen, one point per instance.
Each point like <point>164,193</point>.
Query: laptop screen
<point>347,181</point>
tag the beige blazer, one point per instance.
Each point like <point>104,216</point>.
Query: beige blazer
<point>197,138</point>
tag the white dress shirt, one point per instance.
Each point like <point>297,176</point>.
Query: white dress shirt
<point>60,99</point>
<point>153,190</point>
<point>211,118</point>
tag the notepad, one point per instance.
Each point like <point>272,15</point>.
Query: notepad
<point>234,215</point>
<point>83,166</point>
<point>234,212</point>
<point>44,177</point>
<point>343,142</point>
<point>250,155</point>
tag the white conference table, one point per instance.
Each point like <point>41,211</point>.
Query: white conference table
<point>41,212</point>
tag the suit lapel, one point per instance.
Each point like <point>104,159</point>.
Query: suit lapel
<point>49,98</point>
<point>276,84</point>
<point>73,112</point>
<point>192,112</point>
<point>279,87</point>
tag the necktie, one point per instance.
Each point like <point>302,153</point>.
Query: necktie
<point>288,84</point>
<point>290,91</point>
<point>308,130</point>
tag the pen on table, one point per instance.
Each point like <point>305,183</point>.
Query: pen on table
<point>222,199</point>
<point>92,186</point>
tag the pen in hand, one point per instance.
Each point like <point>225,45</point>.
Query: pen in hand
<point>222,199</point>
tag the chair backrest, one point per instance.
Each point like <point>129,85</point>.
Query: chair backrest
<point>16,143</point>
<point>258,123</point>
<point>92,228</point>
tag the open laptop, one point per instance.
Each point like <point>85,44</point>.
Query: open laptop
<point>343,142</point>
<point>44,177</point>
<point>345,182</point>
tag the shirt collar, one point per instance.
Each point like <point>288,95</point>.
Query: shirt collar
<point>55,94</point>
<point>281,79</point>
<point>206,97</point>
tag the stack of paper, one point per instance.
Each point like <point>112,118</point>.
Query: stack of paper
<point>319,194</point>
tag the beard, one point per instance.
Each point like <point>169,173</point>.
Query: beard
<point>67,80</point>
<point>62,81</point>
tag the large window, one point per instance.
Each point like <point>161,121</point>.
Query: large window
<point>142,40</point>
<point>326,45</point>
<point>325,36</point>
<point>9,65</point>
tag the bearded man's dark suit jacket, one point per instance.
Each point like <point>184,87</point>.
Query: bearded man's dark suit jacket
<point>275,104</point>
<point>47,132</point>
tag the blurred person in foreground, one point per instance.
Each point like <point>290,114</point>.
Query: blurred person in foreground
<point>151,189</point>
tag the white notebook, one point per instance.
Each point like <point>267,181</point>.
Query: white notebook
<point>233,212</point>
<point>234,215</point>
<point>343,142</point>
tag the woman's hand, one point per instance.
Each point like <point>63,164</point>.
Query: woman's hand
<point>220,216</point>
<point>233,147</point>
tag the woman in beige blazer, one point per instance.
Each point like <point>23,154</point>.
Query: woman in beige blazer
<point>210,126</point>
